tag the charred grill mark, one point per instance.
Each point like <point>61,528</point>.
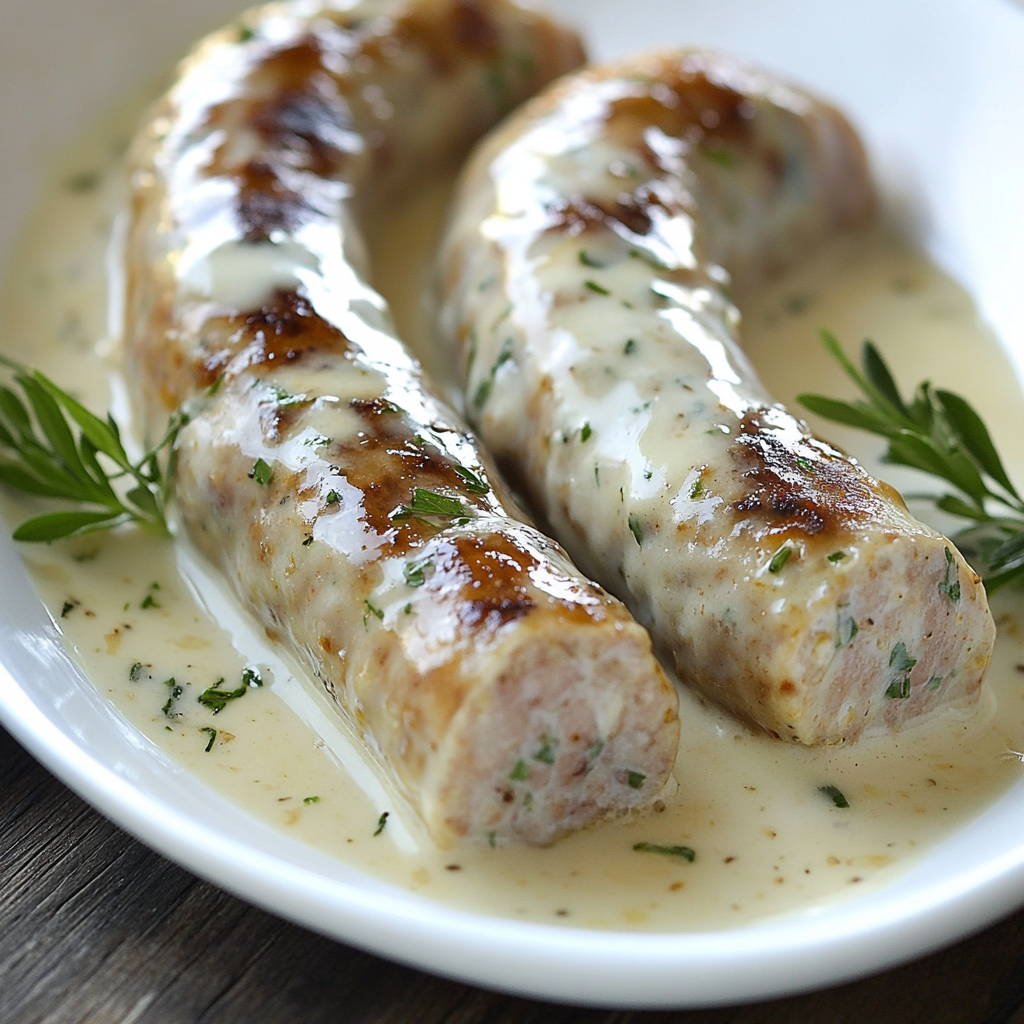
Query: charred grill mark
<point>638,212</point>
<point>264,205</point>
<point>805,491</point>
<point>283,331</point>
<point>467,27</point>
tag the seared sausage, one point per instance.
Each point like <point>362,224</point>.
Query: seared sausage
<point>587,281</point>
<point>507,696</point>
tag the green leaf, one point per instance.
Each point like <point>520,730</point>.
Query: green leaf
<point>974,436</point>
<point>54,426</point>
<point>687,853</point>
<point>57,525</point>
<point>878,373</point>
<point>852,414</point>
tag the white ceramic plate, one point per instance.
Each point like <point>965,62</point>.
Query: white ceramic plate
<point>937,86</point>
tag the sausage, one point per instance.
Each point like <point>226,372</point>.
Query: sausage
<point>586,280</point>
<point>506,696</point>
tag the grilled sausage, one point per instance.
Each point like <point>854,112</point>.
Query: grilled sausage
<point>507,697</point>
<point>586,279</point>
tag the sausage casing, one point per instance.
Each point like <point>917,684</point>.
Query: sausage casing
<point>587,280</point>
<point>508,697</point>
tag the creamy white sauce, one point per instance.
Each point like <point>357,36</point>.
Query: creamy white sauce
<point>767,840</point>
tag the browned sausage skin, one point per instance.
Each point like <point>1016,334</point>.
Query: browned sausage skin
<point>587,280</point>
<point>507,697</point>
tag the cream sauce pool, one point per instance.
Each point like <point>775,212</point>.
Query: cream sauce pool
<point>154,630</point>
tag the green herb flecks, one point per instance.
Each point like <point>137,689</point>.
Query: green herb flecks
<point>950,585</point>
<point>217,699</point>
<point>415,572</point>
<point>483,391</point>
<point>630,347</point>
<point>686,853</point>
<point>836,556</point>
<point>547,752</point>
<point>261,473</point>
<point>252,677</point>
<point>175,692</point>
<point>84,182</point>
<point>594,751</point>
<point>940,434</point>
<point>136,672</point>
<point>635,780</point>
<point>846,626</point>
<point>636,529</point>
<point>585,432</point>
<point>596,288</point>
<point>382,822</point>
<point>588,261</point>
<point>901,663</point>
<point>150,601</point>
<point>372,609</point>
<point>780,558</point>
<point>474,483</point>
<point>431,507</point>
<point>307,800</point>
<point>212,733</point>
<point>520,771</point>
<point>51,446</point>
<point>835,795</point>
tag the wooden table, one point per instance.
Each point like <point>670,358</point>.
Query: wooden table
<point>95,927</point>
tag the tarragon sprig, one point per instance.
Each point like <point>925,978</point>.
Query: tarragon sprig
<point>939,433</point>
<point>50,446</point>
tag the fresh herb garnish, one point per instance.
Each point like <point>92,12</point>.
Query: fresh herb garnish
<point>835,795</point>
<point>428,506</point>
<point>212,733</point>
<point>136,672</point>
<point>251,677</point>
<point>546,753</point>
<point>414,572</point>
<point>636,529</point>
<point>901,661</point>
<point>596,288</point>
<point>938,433</point>
<point>50,446</point>
<point>483,392</point>
<point>216,699</point>
<point>372,609</point>
<point>381,822</point>
<point>474,483</point>
<point>588,261</point>
<point>635,780</point>
<point>686,852</point>
<point>836,556</point>
<point>585,432</point>
<point>261,472</point>
<point>307,800</point>
<point>780,558</point>
<point>520,771</point>
<point>176,692</point>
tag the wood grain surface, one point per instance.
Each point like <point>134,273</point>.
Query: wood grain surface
<point>97,928</point>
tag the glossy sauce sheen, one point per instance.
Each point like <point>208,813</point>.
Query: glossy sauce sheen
<point>586,281</point>
<point>766,840</point>
<point>350,509</point>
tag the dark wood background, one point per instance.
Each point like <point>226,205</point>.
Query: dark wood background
<point>95,927</point>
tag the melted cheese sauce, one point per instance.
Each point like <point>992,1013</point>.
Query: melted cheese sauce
<point>155,631</point>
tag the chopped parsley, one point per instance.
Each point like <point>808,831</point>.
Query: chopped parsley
<point>382,822</point>
<point>261,472</point>
<point>427,505</point>
<point>307,800</point>
<point>596,288</point>
<point>836,556</point>
<point>520,771</point>
<point>630,347</point>
<point>212,733</point>
<point>251,677</point>
<point>635,529</point>
<point>546,753</point>
<point>331,498</point>
<point>588,261</point>
<point>216,699</point>
<point>585,432</point>
<point>474,483</point>
<point>835,795</point>
<point>149,601</point>
<point>950,585</point>
<point>372,609</point>
<point>176,692</point>
<point>635,780</point>
<point>687,853</point>
<point>903,663</point>
<point>483,392</point>
<point>136,672</point>
<point>780,558</point>
<point>414,572</point>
